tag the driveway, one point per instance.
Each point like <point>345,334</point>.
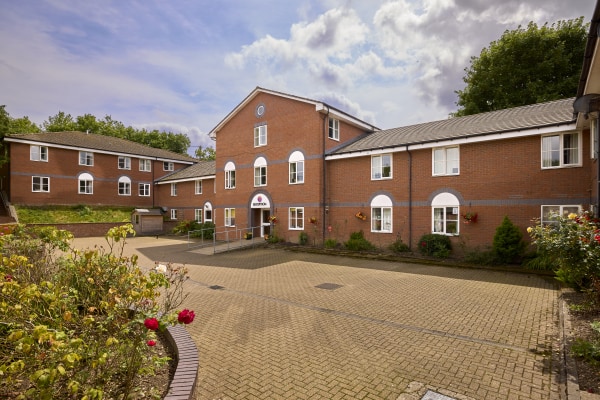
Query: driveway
<point>273,324</point>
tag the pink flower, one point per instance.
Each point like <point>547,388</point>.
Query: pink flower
<point>186,316</point>
<point>8,278</point>
<point>151,323</point>
<point>151,343</point>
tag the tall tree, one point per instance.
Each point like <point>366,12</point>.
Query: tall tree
<point>60,122</point>
<point>525,66</point>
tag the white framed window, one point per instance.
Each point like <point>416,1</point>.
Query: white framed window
<point>198,215</point>
<point>260,135</point>
<point>230,217</point>
<point>38,153</point>
<point>145,165</point>
<point>381,167</point>
<point>124,186</point>
<point>86,184</point>
<point>173,189</point>
<point>446,161</point>
<point>260,172</point>
<point>86,158</point>
<point>561,150</point>
<point>296,167</point>
<point>144,189</point>
<point>124,162</point>
<point>550,212</point>
<point>445,211</point>
<point>230,175</point>
<point>296,218</point>
<point>381,214</point>
<point>168,166</point>
<point>594,137</point>
<point>40,184</point>
<point>173,213</point>
<point>334,129</point>
<point>207,212</point>
<point>198,186</point>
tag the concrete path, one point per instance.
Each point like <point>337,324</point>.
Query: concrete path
<point>272,324</point>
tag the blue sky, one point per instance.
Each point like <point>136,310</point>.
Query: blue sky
<point>183,65</point>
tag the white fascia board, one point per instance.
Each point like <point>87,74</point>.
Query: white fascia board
<point>323,109</point>
<point>458,141</point>
<point>213,133</point>
<point>201,178</point>
<point>114,153</point>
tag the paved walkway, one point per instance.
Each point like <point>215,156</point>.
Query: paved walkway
<point>272,324</point>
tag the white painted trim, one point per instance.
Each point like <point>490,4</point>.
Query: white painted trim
<point>458,141</point>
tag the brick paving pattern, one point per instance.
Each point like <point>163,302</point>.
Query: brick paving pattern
<point>272,324</point>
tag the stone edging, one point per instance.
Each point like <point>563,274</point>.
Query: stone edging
<point>184,381</point>
<point>571,384</point>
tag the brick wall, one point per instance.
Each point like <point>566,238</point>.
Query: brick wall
<point>496,178</point>
<point>63,170</point>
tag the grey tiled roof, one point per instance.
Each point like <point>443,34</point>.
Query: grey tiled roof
<point>101,143</point>
<point>199,170</point>
<point>557,112</point>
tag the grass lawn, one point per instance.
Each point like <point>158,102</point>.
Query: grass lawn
<point>72,214</point>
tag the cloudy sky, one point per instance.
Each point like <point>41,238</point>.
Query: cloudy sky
<point>183,65</point>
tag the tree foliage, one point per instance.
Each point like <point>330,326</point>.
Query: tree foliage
<point>525,66</point>
<point>63,122</point>
<point>206,154</point>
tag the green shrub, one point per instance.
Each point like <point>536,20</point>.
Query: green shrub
<point>588,350</point>
<point>303,238</point>
<point>572,244</point>
<point>69,329</point>
<point>184,227</point>
<point>357,242</point>
<point>330,243</point>
<point>204,230</point>
<point>508,242</point>
<point>399,246</point>
<point>481,257</point>
<point>435,245</point>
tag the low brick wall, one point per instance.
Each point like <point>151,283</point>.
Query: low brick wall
<point>184,381</point>
<point>88,229</point>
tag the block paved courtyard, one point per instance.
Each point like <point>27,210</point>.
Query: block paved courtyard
<point>275,324</point>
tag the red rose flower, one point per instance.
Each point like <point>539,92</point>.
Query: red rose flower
<point>186,316</point>
<point>151,343</point>
<point>151,323</point>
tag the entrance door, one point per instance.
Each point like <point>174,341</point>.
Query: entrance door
<point>265,224</point>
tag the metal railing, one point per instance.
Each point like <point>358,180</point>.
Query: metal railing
<point>224,238</point>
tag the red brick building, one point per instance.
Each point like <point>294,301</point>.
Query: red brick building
<point>70,168</point>
<point>323,173</point>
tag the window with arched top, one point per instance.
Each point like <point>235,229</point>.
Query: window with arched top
<point>124,186</point>
<point>445,209</point>
<point>86,183</point>
<point>207,212</point>
<point>381,214</point>
<point>260,172</point>
<point>296,167</point>
<point>230,175</point>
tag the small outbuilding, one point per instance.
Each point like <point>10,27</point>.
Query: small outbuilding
<point>147,221</point>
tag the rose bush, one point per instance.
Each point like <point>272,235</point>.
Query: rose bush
<point>80,323</point>
<point>572,244</point>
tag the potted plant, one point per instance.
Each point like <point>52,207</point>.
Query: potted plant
<point>248,235</point>
<point>470,217</point>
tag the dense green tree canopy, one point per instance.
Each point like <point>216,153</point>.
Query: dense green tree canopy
<point>205,154</point>
<point>525,66</point>
<point>176,142</point>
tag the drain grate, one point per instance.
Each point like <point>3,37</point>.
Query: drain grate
<point>329,286</point>
<point>216,287</point>
<point>435,396</point>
